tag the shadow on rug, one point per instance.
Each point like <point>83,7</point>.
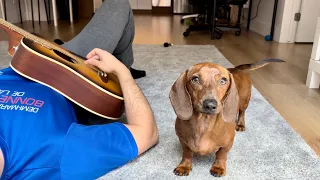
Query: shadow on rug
<point>268,149</point>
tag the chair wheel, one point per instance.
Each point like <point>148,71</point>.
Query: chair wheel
<point>185,34</point>
<point>218,35</point>
<point>238,33</point>
<point>182,20</point>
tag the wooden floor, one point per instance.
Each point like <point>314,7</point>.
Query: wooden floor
<point>283,85</point>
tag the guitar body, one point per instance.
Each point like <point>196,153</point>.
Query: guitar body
<point>66,73</point>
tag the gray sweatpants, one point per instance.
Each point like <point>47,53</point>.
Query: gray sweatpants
<point>110,29</point>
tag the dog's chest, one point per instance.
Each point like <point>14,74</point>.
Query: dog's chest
<point>204,146</point>
<point>203,141</point>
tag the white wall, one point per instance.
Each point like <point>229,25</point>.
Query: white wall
<point>262,23</point>
<point>13,16</point>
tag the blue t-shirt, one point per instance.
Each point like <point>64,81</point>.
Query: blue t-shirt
<point>41,139</point>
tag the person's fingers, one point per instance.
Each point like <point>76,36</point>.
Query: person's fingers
<point>96,57</point>
<point>94,52</point>
<point>93,62</point>
<point>90,54</point>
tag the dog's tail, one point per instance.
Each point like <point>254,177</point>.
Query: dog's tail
<point>257,65</point>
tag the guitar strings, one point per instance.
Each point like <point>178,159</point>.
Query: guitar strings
<point>49,45</point>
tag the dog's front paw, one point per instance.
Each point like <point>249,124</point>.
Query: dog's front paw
<point>182,170</point>
<point>217,171</point>
<point>240,128</point>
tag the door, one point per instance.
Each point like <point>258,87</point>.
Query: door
<point>306,27</point>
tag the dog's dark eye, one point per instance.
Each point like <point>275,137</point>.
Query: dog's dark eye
<point>223,81</point>
<point>195,79</point>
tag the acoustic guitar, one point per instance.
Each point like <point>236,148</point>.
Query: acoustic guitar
<point>49,64</point>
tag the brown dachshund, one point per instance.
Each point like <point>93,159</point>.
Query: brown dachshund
<point>207,99</point>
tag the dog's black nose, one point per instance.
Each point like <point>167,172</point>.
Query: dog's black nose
<point>209,104</point>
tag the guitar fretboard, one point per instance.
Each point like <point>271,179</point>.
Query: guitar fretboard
<point>39,40</point>
<point>46,44</point>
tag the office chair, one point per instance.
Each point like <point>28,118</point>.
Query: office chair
<point>227,26</point>
<point>202,20</point>
<point>222,12</point>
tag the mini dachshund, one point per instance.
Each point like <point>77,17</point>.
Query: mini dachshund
<point>210,103</point>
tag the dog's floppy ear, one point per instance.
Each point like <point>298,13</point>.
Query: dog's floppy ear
<point>230,102</point>
<point>180,98</point>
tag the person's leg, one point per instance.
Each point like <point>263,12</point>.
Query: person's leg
<point>111,29</point>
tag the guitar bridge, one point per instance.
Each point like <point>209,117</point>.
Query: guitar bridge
<point>103,76</point>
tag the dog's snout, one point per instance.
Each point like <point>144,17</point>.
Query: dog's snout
<point>209,105</point>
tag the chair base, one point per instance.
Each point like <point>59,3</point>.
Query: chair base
<point>192,16</point>
<point>237,28</point>
<point>219,28</point>
<point>204,27</point>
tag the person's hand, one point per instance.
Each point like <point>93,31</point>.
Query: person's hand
<point>105,61</point>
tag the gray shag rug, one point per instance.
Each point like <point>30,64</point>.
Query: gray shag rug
<point>268,149</point>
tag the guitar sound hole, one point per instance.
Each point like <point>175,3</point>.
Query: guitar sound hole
<point>64,56</point>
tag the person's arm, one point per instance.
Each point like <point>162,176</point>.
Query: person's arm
<point>140,118</point>
<point>141,122</point>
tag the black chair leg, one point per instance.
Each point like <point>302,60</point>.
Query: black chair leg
<point>49,8</point>
<point>39,11</point>
<point>68,9</point>
<point>237,33</point>
<point>239,16</point>
<point>45,7</point>
<point>5,9</point>
<point>213,20</point>
<point>20,11</point>
<point>32,13</point>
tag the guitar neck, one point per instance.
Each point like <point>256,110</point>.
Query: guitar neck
<point>43,42</point>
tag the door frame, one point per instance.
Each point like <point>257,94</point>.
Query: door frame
<point>296,8</point>
<point>285,24</point>
<point>289,25</point>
